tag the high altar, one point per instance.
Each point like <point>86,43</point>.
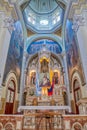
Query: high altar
<point>45,81</point>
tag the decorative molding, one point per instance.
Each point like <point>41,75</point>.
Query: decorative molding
<point>6,21</point>
<point>9,23</point>
<point>77,7</point>
<point>78,20</point>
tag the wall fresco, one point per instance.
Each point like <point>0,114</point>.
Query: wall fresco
<point>15,52</point>
<point>72,52</point>
<point>50,45</point>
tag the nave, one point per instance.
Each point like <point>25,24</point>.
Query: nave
<point>43,64</point>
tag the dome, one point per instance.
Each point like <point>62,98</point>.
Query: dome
<point>43,15</point>
<point>43,6</point>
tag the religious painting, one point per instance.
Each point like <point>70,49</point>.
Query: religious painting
<point>72,52</point>
<point>44,80</point>
<point>71,46</point>
<point>33,78</point>
<point>15,52</point>
<point>47,44</point>
<point>44,84</point>
<point>44,66</point>
<point>55,78</point>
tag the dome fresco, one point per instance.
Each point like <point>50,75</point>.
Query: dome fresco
<point>43,15</point>
<point>43,6</point>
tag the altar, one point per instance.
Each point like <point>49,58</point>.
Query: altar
<point>45,81</point>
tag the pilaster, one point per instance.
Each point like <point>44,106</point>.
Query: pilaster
<point>22,82</point>
<point>67,81</point>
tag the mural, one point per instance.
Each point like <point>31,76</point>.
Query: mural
<point>15,52</point>
<point>73,60</point>
<point>38,45</point>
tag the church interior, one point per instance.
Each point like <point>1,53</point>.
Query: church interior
<point>43,64</point>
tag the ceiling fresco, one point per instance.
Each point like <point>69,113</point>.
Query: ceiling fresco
<point>44,45</point>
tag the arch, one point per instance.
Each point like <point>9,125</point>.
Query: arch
<point>12,75</point>
<point>44,36</point>
<point>11,90</point>
<point>9,126</point>
<point>77,126</point>
<point>75,75</point>
<point>44,43</point>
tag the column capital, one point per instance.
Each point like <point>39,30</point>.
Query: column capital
<point>9,23</point>
<point>78,20</point>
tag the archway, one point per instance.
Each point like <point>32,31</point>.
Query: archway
<point>10,97</point>
<point>77,93</point>
<point>11,93</point>
<point>77,126</point>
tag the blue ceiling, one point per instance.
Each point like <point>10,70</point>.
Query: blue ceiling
<point>43,45</point>
<point>43,6</point>
<point>43,16</point>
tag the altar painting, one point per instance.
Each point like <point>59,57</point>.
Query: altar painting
<point>44,80</point>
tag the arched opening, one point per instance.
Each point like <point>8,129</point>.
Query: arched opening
<point>77,126</point>
<point>9,126</point>
<point>10,97</point>
<point>77,94</point>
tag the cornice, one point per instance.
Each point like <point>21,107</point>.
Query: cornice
<point>8,8</point>
<point>76,13</point>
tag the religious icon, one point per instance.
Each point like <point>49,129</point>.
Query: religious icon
<point>55,77</point>
<point>33,78</point>
<point>44,66</point>
<point>45,81</point>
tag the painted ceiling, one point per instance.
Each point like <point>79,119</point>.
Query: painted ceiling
<point>43,15</point>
